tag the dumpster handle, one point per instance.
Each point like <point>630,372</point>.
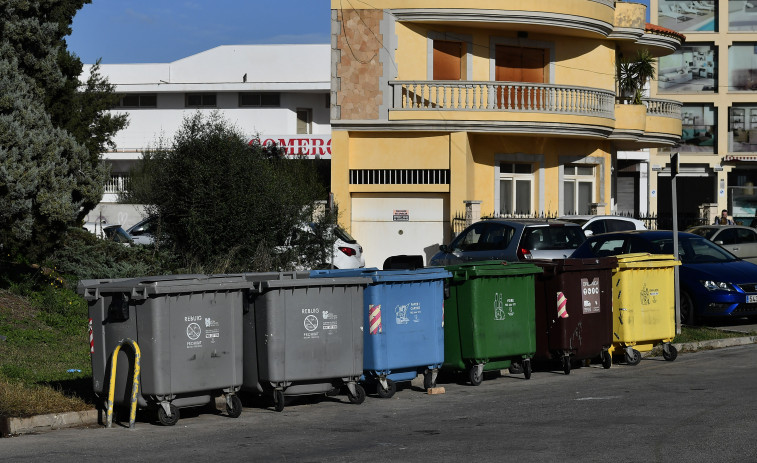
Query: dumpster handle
<point>134,383</point>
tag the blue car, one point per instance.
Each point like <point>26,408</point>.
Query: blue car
<point>714,282</point>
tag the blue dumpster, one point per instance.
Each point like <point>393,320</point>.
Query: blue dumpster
<point>403,313</point>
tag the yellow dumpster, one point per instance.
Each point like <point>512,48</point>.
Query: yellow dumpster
<point>643,305</point>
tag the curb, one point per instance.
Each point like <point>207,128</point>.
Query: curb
<point>703,345</point>
<point>39,423</point>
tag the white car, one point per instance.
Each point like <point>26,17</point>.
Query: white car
<point>597,224</point>
<point>143,231</point>
<point>346,254</point>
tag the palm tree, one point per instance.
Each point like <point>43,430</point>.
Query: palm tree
<point>634,73</point>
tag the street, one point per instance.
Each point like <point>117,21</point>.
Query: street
<point>696,409</point>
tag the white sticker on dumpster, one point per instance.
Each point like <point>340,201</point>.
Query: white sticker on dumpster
<point>590,295</point>
<point>414,312</point>
<point>400,313</point>
<point>193,331</point>
<point>499,311</point>
<point>330,321</point>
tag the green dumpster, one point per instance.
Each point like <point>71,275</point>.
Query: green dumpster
<point>489,319</point>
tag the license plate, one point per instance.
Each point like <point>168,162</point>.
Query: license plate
<point>751,298</point>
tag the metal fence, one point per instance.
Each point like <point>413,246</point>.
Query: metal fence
<point>651,222</point>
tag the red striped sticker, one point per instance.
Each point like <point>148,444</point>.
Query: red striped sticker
<point>91,338</point>
<point>562,305</point>
<point>374,318</point>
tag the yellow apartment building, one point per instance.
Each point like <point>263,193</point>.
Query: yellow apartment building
<point>714,75</point>
<point>507,106</point>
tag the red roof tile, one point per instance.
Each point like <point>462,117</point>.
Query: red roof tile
<point>655,29</point>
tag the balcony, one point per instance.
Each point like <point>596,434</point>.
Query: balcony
<point>490,106</point>
<point>583,18</point>
<point>654,124</point>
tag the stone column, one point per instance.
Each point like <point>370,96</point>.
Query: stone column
<point>472,211</point>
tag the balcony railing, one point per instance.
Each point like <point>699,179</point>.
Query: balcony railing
<point>117,184</point>
<point>664,108</point>
<point>502,96</point>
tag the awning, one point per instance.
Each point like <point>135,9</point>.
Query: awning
<point>732,158</point>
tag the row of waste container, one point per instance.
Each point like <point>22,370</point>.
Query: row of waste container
<point>195,337</point>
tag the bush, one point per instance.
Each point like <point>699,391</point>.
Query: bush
<point>224,205</point>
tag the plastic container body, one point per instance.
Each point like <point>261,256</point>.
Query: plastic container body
<point>188,328</point>
<point>574,308</point>
<point>643,300</point>
<point>303,335</point>
<point>403,312</point>
<point>489,316</point>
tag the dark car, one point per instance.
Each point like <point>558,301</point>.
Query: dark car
<point>511,240</point>
<point>714,282</point>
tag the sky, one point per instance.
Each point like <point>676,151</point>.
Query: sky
<point>161,31</point>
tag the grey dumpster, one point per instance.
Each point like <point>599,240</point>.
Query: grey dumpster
<point>303,336</point>
<point>189,331</point>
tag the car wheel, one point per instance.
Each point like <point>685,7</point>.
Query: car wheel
<point>687,309</point>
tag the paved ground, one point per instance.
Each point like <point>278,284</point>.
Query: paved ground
<point>696,409</point>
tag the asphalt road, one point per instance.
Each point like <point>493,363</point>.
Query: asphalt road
<point>699,408</point>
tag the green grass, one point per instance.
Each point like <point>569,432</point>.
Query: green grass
<point>697,334</point>
<point>46,330</point>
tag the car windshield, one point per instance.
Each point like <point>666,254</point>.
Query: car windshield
<point>552,237</point>
<point>705,232</point>
<point>694,250</point>
<point>344,236</point>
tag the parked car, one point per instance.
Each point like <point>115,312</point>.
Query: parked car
<point>143,232</point>
<point>739,241</point>
<point>346,253</point>
<point>511,240</point>
<point>714,282</point>
<point>596,224</point>
<point>117,234</point>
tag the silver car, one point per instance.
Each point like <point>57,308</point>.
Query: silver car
<point>739,241</point>
<point>511,240</point>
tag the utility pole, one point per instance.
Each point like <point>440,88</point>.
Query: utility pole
<point>674,166</point>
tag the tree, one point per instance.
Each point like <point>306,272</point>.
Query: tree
<point>51,133</point>
<point>225,205</point>
<point>634,73</point>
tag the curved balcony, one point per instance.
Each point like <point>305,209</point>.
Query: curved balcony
<point>654,124</point>
<point>493,106</point>
<point>566,17</point>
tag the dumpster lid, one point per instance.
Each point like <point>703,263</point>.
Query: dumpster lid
<point>264,285</point>
<point>380,276</point>
<point>571,264</point>
<point>143,287</point>
<point>646,260</point>
<point>492,268</point>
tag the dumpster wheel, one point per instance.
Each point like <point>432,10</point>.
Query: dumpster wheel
<point>566,364</point>
<point>669,352</point>
<point>234,406</point>
<point>166,420</point>
<point>389,391</point>
<point>475,374</point>
<point>606,359</point>
<point>633,358</point>
<point>278,400</point>
<point>527,367</point>
<point>359,396</point>
<point>428,380</point>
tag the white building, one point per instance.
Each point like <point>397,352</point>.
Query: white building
<point>271,92</point>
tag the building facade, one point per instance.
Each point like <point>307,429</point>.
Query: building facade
<point>273,93</point>
<point>439,104</point>
<point>714,75</point>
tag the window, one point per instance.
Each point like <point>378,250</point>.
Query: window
<point>448,60</point>
<point>691,16</point>
<point>578,188</point>
<point>515,188</point>
<point>146,100</point>
<point>304,121</point>
<point>269,99</point>
<point>699,133</point>
<point>200,100</point>
<point>692,69</point>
